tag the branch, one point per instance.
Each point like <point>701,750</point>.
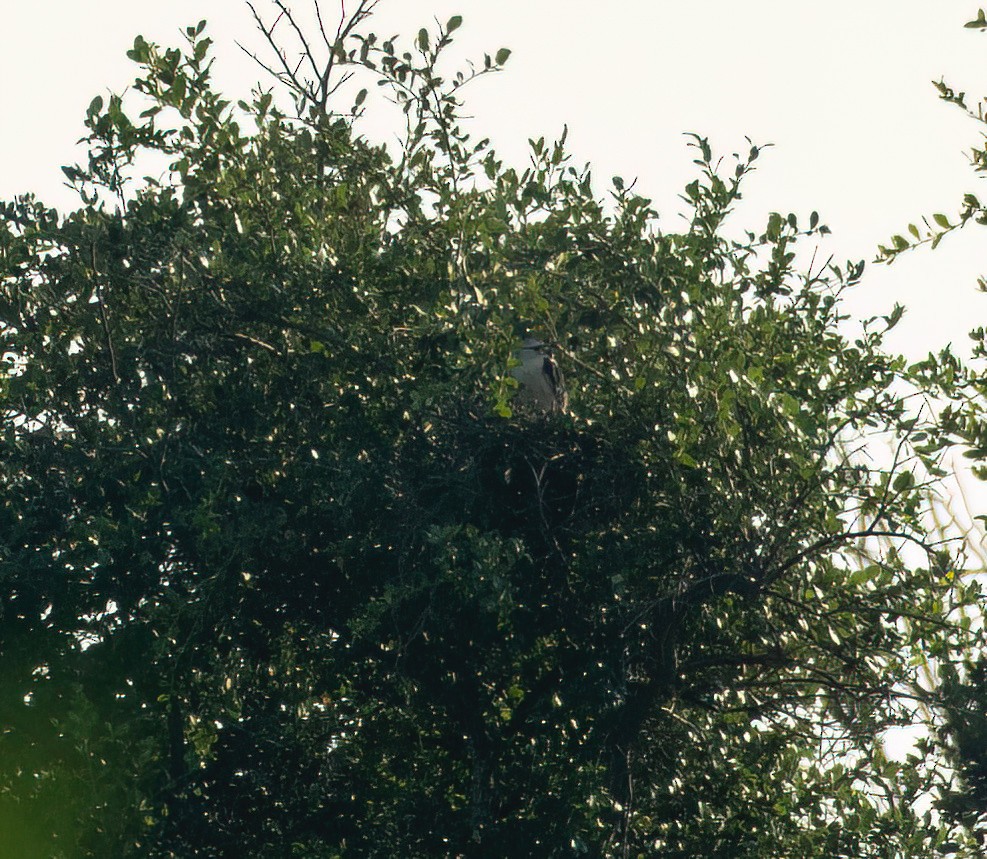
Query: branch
<point>102,314</point>
<point>255,342</point>
<point>307,53</point>
<point>289,76</point>
<point>834,539</point>
<point>768,660</point>
<point>322,27</point>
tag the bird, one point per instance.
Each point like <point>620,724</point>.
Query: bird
<point>539,376</point>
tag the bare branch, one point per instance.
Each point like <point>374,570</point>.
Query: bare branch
<point>288,76</point>
<point>301,36</point>
<point>322,27</point>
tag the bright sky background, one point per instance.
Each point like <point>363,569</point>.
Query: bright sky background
<point>841,88</point>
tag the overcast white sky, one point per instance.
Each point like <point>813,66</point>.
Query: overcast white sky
<point>841,88</point>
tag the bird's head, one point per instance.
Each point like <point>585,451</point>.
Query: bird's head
<point>529,342</point>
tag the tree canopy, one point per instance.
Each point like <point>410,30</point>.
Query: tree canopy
<point>287,571</point>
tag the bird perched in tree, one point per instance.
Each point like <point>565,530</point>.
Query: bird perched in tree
<point>541,381</point>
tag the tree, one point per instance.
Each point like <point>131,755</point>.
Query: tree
<point>285,573</point>
<point>959,719</point>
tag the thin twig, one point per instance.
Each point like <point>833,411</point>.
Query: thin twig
<point>237,335</point>
<point>289,76</point>
<point>301,36</point>
<point>322,28</point>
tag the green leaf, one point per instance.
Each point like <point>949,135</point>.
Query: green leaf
<point>423,39</point>
<point>502,56</point>
<point>202,48</point>
<point>454,23</point>
<point>685,459</point>
<point>141,51</point>
<point>903,482</point>
<point>789,404</point>
<point>980,22</point>
<point>942,220</point>
<point>775,223</point>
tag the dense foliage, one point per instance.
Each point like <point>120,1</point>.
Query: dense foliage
<point>285,572</point>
